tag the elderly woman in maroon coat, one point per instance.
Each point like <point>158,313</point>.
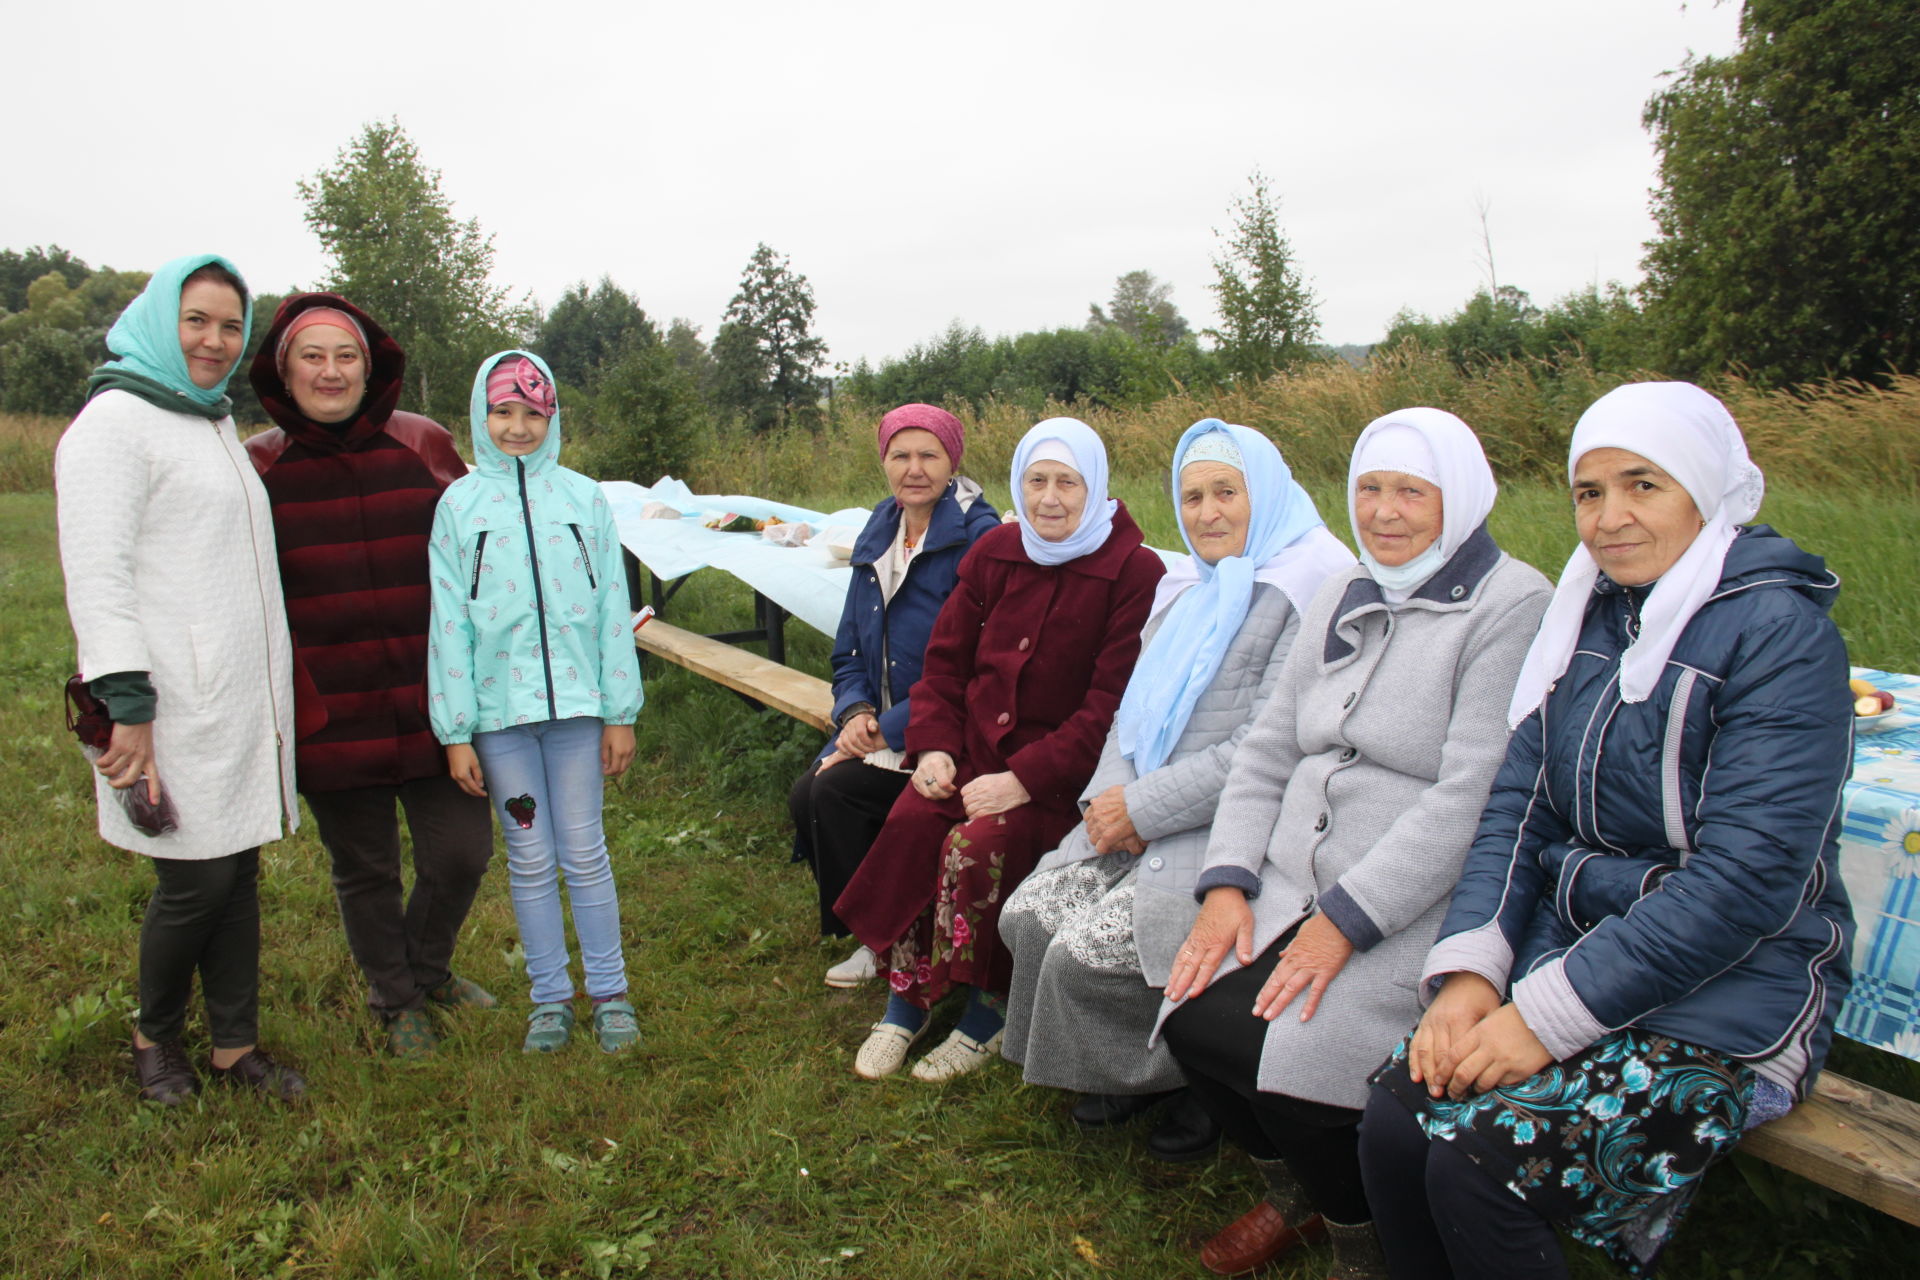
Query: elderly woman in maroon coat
<point>353,482</point>
<point>1023,674</point>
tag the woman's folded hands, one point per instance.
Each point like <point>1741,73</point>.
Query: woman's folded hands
<point>1471,1041</point>
<point>1109,827</point>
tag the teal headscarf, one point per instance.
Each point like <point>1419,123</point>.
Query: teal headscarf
<point>146,338</point>
<point>1287,545</point>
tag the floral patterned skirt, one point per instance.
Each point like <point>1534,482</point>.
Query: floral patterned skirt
<point>956,938</point>
<point>1610,1145</point>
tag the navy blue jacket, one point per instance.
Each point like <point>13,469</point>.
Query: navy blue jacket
<point>1672,864</point>
<point>882,640</point>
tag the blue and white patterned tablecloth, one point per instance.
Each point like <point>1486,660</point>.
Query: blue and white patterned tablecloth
<point>1880,862</point>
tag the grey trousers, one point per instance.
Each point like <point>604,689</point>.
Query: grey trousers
<point>403,942</point>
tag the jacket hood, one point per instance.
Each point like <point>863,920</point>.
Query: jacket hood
<point>1763,556</point>
<point>486,455</point>
<point>386,375</point>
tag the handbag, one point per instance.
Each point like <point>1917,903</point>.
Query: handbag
<point>88,719</point>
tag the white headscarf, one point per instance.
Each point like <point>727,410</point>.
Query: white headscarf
<point>1691,436</point>
<point>1073,443</point>
<point>1441,449</point>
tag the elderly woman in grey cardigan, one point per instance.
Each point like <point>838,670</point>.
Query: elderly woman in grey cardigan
<point>1346,817</point>
<point>1094,930</point>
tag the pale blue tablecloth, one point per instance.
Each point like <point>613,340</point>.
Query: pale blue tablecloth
<point>805,581</point>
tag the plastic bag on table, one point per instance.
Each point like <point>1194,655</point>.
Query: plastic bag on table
<point>88,719</point>
<point>837,539</point>
<point>790,534</point>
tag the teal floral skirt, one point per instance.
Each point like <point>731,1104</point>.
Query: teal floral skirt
<point>1610,1145</point>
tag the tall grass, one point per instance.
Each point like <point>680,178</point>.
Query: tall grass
<point>26,452</point>
<point>1841,434</point>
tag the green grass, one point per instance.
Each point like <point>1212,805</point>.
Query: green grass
<point>735,1142</point>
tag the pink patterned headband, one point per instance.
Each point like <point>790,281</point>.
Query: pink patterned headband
<point>520,379</point>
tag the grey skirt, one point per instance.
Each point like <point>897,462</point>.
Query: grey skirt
<point>1079,1011</point>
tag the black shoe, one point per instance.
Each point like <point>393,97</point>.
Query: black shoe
<point>1099,1110</point>
<point>165,1075</point>
<point>257,1071</point>
<point>1187,1133</point>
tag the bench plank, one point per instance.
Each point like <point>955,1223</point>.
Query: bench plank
<point>804,697</point>
<point>1858,1140</point>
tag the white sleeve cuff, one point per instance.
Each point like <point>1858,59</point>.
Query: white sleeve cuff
<point>1553,1011</point>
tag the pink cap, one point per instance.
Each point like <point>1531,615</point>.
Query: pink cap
<point>311,317</point>
<point>518,378</point>
<point>926,417</point>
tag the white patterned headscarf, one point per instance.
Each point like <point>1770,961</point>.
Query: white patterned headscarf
<point>1690,435</point>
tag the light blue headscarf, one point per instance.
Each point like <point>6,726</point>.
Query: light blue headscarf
<point>146,337</point>
<point>1090,460</point>
<point>1288,545</point>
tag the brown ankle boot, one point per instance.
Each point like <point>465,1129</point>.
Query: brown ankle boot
<point>1271,1229</point>
<point>1356,1252</point>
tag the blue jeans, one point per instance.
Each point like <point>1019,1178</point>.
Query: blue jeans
<point>556,765</point>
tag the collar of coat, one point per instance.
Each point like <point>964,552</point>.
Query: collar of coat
<point>1454,586</point>
<point>1105,562</point>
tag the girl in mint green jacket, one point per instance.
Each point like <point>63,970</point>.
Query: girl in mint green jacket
<point>534,683</point>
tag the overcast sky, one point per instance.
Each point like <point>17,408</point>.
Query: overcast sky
<point>995,163</point>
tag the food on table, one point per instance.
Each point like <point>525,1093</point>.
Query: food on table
<point>1869,701</point>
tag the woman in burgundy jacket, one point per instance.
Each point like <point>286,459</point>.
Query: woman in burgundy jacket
<point>1023,674</point>
<point>353,483</point>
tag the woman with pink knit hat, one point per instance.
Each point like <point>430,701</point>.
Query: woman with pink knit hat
<point>905,564</point>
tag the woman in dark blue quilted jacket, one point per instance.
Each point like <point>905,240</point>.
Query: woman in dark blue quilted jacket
<point>905,563</point>
<point>1648,944</point>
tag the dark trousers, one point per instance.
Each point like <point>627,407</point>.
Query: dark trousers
<point>204,916</point>
<point>1217,1043</point>
<point>837,815</point>
<point>404,944</point>
<point>1439,1216</point>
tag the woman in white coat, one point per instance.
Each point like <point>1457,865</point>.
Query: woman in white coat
<point>166,541</point>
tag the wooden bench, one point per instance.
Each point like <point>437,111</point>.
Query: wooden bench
<point>761,680</point>
<point>1858,1140</point>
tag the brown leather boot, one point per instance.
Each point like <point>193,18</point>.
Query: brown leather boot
<point>1267,1232</point>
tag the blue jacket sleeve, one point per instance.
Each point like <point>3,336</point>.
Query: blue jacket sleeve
<point>1769,808</point>
<point>852,682</point>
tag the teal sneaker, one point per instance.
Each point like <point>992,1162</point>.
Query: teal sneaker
<point>615,1024</point>
<point>548,1027</point>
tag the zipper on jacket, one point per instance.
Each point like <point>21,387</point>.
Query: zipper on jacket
<point>266,634</point>
<point>479,554</point>
<point>585,559</point>
<point>539,598</point>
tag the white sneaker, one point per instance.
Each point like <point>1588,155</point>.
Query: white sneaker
<point>861,966</point>
<point>958,1054</point>
<point>885,1049</point>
